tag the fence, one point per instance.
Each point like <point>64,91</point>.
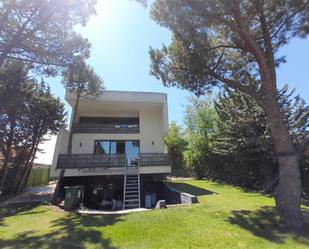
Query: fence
<point>38,177</point>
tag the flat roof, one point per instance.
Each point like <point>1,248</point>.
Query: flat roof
<point>121,96</point>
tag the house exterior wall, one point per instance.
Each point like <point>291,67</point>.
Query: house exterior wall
<point>150,136</point>
<point>152,113</point>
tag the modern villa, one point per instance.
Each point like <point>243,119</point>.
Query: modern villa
<point>117,146</point>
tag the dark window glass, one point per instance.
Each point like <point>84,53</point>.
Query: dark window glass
<point>130,148</point>
<point>113,146</point>
<point>107,120</point>
<point>102,147</point>
<point>120,147</point>
<point>132,151</point>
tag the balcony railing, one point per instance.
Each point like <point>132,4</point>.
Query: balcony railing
<point>81,161</point>
<point>106,128</point>
<point>153,159</point>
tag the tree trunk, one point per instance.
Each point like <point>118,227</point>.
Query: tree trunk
<point>288,191</point>
<point>29,163</point>
<point>7,155</point>
<point>27,158</point>
<point>73,122</point>
<point>57,188</point>
<point>62,172</point>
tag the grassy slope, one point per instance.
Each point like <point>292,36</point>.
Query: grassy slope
<point>231,218</point>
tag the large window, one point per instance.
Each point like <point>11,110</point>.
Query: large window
<point>130,148</point>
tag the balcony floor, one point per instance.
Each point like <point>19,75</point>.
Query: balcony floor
<point>112,171</point>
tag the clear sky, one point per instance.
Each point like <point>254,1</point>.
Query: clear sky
<point>121,34</point>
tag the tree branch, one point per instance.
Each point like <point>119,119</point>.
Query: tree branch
<point>269,52</point>
<point>234,84</point>
<point>288,19</point>
<point>304,145</point>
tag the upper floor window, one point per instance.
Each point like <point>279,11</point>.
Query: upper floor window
<point>109,120</point>
<point>106,125</point>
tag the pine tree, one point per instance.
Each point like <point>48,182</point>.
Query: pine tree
<point>235,44</point>
<point>244,136</point>
<point>28,112</point>
<point>80,80</point>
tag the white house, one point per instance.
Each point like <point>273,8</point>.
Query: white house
<point>118,142</point>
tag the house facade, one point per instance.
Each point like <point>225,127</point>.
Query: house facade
<point>118,140</point>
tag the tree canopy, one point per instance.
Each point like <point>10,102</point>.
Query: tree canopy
<point>81,79</point>
<point>176,145</point>
<point>28,112</point>
<point>244,137</point>
<point>41,32</point>
<point>223,42</point>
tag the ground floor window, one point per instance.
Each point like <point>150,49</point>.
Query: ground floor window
<point>129,147</point>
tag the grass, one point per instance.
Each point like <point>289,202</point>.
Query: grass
<point>231,218</point>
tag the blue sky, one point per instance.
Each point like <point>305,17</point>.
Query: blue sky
<point>121,34</point>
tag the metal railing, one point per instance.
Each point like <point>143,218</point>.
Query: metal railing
<point>153,159</point>
<point>106,128</point>
<point>79,161</point>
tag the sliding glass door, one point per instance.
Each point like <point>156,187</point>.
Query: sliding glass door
<point>128,147</point>
<point>132,151</point>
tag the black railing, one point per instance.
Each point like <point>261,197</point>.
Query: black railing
<point>153,159</point>
<point>80,161</point>
<point>106,128</point>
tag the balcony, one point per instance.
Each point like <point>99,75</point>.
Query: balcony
<point>100,161</point>
<point>106,128</point>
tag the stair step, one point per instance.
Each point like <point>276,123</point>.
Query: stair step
<point>131,202</point>
<point>131,188</point>
<point>134,201</point>
<point>132,185</point>
<point>131,191</point>
<point>135,189</point>
<point>131,196</point>
<point>131,206</point>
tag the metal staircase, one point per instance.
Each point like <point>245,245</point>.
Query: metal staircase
<point>131,188</point>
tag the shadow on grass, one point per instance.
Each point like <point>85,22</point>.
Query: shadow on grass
<point>305,202</point>
<point>265,223</point>
<point>70,231</point>
<point>190,189</point>
<point>16,209</point>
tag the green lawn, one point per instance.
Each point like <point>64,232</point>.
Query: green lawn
<point>231,218</point>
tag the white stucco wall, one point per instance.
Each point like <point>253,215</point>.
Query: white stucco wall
<point>60,148</point>
<point>151,131</point>
<point>150,136</point>
<point>152,112</point>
